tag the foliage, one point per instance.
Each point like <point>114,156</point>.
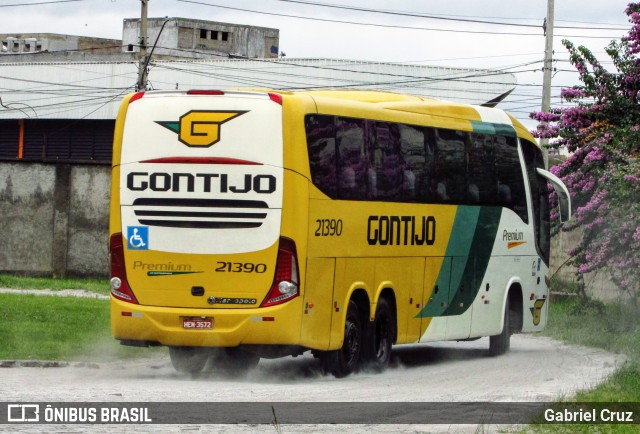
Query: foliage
<point>602,131</point>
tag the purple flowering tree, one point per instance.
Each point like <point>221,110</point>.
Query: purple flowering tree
<point>602,132</point>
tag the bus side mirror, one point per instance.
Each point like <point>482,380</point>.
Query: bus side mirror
<point>564,200</point>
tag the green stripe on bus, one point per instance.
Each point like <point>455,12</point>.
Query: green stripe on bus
<point>460,240</point>
<point>463,294</point>
<point>491,128</point>
<point>466,260</point>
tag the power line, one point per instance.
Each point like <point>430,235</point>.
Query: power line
<point>291,85</point>
<point>40,3</point>
<point>479,73</point>
<point>385,25</point>
<point>402,80</point>
<point>457,18</point>
<point>405,14</point>
<point>353,22</point>
<point>469,58</point>
<point>72,87</point>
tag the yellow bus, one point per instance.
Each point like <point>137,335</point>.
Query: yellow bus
<point>263,224</point>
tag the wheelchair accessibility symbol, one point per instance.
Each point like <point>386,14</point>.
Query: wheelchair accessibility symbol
<point>138,237</point>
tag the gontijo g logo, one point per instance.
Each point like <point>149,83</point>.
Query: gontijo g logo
<point>200,128</point>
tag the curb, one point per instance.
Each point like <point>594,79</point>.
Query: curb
<point>46,364</point>
<point>81,293</point>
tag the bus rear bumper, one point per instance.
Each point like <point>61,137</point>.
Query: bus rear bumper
<point>153,325</point>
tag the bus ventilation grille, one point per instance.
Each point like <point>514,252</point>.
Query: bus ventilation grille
<point>201,213</point>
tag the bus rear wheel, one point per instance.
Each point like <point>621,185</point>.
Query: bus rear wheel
<point>381,336</point>
<point>188,360</point>
<point>346,360</point>
<point>499,344</point>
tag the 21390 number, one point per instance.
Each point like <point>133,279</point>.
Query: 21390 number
<point>240,267</point>
<point>328,228</point>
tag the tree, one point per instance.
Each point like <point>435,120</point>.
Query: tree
<point>602,131</point>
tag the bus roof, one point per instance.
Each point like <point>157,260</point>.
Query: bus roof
<point>373,100</point>
<point>413,104</point>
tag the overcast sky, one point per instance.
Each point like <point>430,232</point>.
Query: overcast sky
<point>453,41</point>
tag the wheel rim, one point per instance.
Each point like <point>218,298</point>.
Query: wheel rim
<point>382,338</point>
<point>352,339</point>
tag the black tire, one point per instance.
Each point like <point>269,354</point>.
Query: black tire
<point>380,337</point>
<point>188,360</point>
<point>233,361</point>
<point>499,344</point>
<point>346,360</point>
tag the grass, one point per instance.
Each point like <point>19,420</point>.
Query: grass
<point>52,328</point>
<point>100,286</point>
<point>612,327</point>
<point>58,328</point>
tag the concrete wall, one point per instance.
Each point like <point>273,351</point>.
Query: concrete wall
<point>55,219</point>
<point>181,38</point>
<point>597,285</point>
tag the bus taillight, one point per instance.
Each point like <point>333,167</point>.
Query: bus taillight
<point>204,92</point>
<point>136,96</point>
<point>285,281</point>
<point>119,284</point>
<point>275,97</point>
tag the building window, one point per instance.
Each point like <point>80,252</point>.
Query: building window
<point>203,34</point>
<point>214,35</point>
<point>16,47</point>
<point>225,36</point>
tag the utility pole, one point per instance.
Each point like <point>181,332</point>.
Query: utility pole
<point>547,70</point>
<point>142,56</point>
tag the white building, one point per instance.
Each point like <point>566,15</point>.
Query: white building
<point>76,90</point>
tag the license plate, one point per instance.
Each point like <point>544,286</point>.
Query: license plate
<point>198,323</point>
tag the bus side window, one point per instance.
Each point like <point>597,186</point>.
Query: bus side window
<point>352,162</point>
<point>483,184</point>
<point>451,167</point>
<point>386,160</point>
<point>413,152</point>
<point>511,192</point>
<point>321,144</point>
